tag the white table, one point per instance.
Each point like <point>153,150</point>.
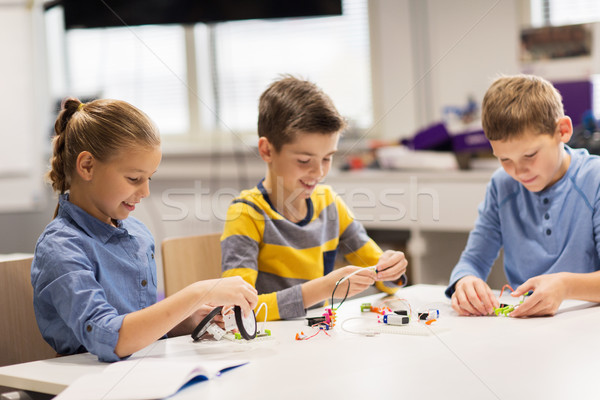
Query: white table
<point>474,358</point>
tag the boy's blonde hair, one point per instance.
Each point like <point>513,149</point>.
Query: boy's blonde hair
<point>105,128</point>
<point>290,106</point>
<point>514,104</point>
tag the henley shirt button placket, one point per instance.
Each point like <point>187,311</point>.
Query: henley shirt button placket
<point>547,215</point>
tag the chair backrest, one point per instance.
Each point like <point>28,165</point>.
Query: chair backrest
<point>20,337</point>
<point>189,259</point>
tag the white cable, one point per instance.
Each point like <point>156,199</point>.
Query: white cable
<point>266,312</point>
<point>366,332</point>
<point>345,278</point>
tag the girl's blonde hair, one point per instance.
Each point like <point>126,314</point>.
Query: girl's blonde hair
<point>103,127</point>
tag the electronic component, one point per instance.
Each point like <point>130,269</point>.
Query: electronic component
<point>505,309</point>
<point>246,326</point>
<point>394,319</point>
<point>310,321</point>
<point>260,334</point>
<point>429,314</point>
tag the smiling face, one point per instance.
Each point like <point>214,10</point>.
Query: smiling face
<point>295,170</point>
<point>110,190</point>
<point>535,160</point>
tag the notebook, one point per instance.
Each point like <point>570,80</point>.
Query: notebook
<point>144,379</point>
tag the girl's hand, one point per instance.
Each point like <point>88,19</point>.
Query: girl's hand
<point>230,291</point>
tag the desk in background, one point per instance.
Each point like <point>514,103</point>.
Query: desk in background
<point>438,209</point>
<point>475,358</point>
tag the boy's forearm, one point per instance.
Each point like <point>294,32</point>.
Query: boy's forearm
<point>584,287</point>
<point>315,291</point>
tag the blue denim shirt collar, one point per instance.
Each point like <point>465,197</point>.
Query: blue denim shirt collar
<point>89,224</point>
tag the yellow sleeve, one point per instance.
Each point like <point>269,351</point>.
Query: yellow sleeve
<point>363,251</point>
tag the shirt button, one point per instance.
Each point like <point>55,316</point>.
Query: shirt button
<point>88,328</point>
<point>548,232</point>
<point>144,282</point>
<point>152,256</point>
<point>546,201</point>
<point>547,216</point>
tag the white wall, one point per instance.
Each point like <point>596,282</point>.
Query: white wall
<point>392,69</point>
<point>428,54</point>
<point>24,111</point>
<point>471,42</point>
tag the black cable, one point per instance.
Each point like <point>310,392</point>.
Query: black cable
<point>345,296</point>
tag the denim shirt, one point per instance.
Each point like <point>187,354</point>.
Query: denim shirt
<point>554,230</point>
<point>86,276</point>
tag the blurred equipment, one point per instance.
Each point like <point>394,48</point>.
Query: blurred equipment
<point>107,13</point>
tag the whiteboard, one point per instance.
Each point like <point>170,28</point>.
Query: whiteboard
<point>23,106</point>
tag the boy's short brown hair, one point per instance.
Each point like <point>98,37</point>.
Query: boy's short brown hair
<point>290,106</point>
<point>514,104</point>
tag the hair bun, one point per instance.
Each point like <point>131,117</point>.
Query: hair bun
<point>68,107</point>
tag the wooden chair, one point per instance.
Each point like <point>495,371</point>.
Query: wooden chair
<point>20,337</point>
<point>189,259</point>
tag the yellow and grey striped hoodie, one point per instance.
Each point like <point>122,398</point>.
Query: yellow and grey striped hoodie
<point>277,255</point>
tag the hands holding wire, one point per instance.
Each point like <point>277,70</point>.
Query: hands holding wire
<point>472,296</point>
<point>548,293</point>
<point>362,278</point>
<point>392,264</point>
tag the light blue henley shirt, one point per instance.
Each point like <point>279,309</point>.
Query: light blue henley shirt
<point>555,230</point>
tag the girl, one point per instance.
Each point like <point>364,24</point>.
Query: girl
<point>93,273</point>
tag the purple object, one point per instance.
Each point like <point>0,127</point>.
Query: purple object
<point>470,142</point>
<point>430,138</point>
<point>577,98</point>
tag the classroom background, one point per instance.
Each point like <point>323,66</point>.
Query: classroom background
<point>409,76</point>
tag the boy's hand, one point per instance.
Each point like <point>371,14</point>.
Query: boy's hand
<point>358,282</point>
<point>548,292</point>
<point>392,264</point>
<point>472,296</point>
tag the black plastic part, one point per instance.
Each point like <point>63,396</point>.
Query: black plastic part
<point>203,325</point>
<point>239,320</point>
<point>314,320</point>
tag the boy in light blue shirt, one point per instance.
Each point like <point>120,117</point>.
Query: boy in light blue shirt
<point>543,206</point>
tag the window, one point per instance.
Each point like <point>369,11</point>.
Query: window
<point>197,81</point>
<point>564,12</point>
<point>331,51</point>
<point>569,12</point>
